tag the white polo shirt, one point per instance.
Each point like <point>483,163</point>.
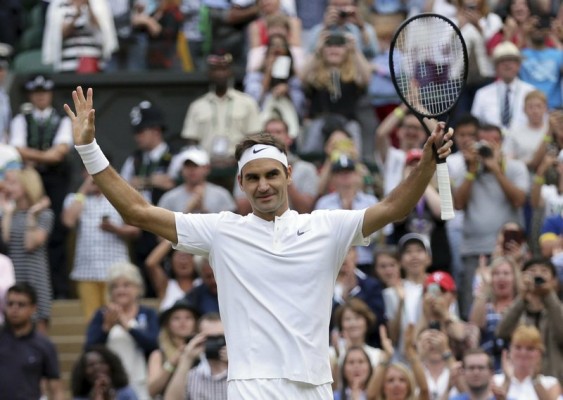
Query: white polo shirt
<point>275,282</point>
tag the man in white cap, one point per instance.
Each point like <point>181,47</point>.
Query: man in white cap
<point>275,268</point>
<point>196,195</point>
<point>501,103</point>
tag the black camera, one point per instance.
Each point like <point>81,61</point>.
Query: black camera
<point>344,14</point>
<point>483,149</point>
<point>435,325</point>
<point>539,280</point>
<point>212,346</point>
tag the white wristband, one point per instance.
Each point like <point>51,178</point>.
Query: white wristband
<point>93,158</point>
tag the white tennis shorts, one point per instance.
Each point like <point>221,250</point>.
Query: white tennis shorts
<point>277,389</point>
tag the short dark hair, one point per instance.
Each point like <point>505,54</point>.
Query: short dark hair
<point>357,306</point>
<point>490,127</point>
<point>81,386</point>
<point>25,289</point>
<point>467,119</point>
<point>478,351</point>
<point>258,138</point>
<point>540,261</point>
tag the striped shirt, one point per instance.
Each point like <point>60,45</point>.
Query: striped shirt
<point>85,41</point>
<point>201,385</point>
<point>32,266</point>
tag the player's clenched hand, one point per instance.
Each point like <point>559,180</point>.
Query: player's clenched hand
<point>439,138</point>
<point>82,117</point>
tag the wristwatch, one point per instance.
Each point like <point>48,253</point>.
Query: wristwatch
<point>168,367</point>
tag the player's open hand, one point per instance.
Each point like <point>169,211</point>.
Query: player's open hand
<point>83,129</point>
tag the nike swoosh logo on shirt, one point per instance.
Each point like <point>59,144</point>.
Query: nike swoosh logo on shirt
<point>299,233</point>
<point>258,150</point>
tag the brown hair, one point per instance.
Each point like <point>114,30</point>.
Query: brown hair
<point>259,138</point>
<point>478,351</point>
<point>278,20</point>
<point>359,307</point>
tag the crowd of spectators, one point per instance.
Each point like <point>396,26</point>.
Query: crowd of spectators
<point>464,309</point>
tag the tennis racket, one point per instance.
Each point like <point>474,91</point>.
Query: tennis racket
<point>428,65</point>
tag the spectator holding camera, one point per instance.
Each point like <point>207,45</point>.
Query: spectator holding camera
<point>537,304</point>
<point>207,381</point>
<point>345,16</point>
<point>512,243</point>
<point>276,86</point>
<point>491,189</point>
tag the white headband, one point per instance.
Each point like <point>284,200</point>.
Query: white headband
<point>261,151</point>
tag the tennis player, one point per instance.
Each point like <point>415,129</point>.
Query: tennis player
<point>275,268</point>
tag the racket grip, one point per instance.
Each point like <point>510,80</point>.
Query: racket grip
<point>445,191</point>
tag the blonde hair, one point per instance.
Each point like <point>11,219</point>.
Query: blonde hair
<point>319,75</point>
<point>411,395</point>
<point>32,184</point>
<point>529,335</point>
<point>536,94</point>
<point>128,271</point>
<point>166,344</point>
<point>497,262</point>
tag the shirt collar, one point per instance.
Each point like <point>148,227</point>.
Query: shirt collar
<point>205,369</point>
<point>229,95</point>
<point>156,153</point>
<point>42,114</point>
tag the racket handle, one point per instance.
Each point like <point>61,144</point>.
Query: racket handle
<point>445,191</point>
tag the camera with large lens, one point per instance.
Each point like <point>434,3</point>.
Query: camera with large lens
<point>212,346</point>
<point>539,280</point>
<point>483,149</point>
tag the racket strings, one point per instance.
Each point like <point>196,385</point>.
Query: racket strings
<point>429,65</point>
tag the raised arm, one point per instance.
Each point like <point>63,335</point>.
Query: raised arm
<point>134,209</point>
<point>405,196</point>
